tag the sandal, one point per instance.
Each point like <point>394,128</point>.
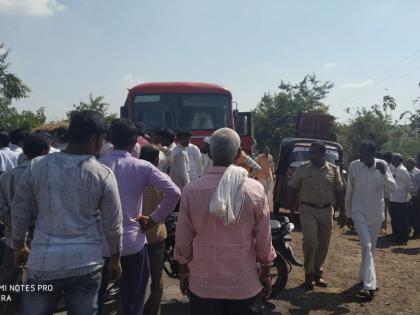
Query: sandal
<point>369,294</point>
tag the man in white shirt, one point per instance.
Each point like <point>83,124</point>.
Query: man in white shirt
<point>6,163</point>
<point>399,210</point>
<point>414,205</point>
<point>17,137</point>
<point>367,180</point>
<point>206,159</point>
<point>4,147</point>
<point>166,138</point>
<point>185,160</point>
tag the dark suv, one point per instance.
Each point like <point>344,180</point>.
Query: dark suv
<point>293,153</point>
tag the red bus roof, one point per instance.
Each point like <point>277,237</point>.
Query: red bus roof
<point>179,87</point>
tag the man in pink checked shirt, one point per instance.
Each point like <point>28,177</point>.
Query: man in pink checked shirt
<point>223,230</point>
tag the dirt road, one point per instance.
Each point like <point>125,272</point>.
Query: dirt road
<point>398,270</point>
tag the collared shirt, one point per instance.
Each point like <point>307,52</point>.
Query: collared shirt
<point>267,167</point>
<point>133,175</point>
<point>6,163</point>
<point>207,163</point>
<point>151,200</point>
<point>222,258</point>
<point>165,159</point>
<point>8,184</point>
<point>75,201</point>
<point>12,155</point>
<point>54,150</point>
<point>365,191</point>
<point>195,166</point>
<point>414,187</point>
<point>15,148</point>
<point>317,185</point>
<point>179,166</point>
<point>402,178</point>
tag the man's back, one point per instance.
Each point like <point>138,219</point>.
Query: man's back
<point>69,195</point>
<point>133,175</point>
<point>6,163</point>
<point>402,179</point>
<point>13,156</point>
<point>8,183</point>
<point>194,156</point>
<point>223,256</point>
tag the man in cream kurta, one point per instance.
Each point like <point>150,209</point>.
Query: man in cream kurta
<point>367,180</point>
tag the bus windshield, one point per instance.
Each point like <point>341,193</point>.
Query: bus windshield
<point>176,111</point>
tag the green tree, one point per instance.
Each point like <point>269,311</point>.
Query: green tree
<point>97,104</point>
<point>12,88</point>
<point>276,114</point>
<point>372,124</point>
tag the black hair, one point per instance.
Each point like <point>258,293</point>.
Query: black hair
<point>122,133</point>
<point>4,139</point>
<point>18,135</point>
<point>34,144</point>
<point>84,124</point>
<point>370,146</point>
<point>398,156</point>
<point>149,153</point>
<point>167,134</point>
<point>61,133</point>
<point>183,133</point>
<point>387,156</point>
<point>140,128</point>
<point>44,133</point>
<point>320,145</point>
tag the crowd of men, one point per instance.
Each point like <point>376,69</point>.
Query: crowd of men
<point>86,206</point>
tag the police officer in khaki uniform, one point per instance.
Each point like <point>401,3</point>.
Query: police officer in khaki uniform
<point>318,184</point>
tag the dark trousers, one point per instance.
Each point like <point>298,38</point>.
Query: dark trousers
<point>80,293</point>
<point>133,283</point>
<point>415,215</point>
<point>9,274</point>
<point>202,306</point>
<point>399,221</point>
<point>155,252</point>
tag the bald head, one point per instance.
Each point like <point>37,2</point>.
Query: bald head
<point>224,146</point>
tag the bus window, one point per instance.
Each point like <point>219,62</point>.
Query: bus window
<point>155,111</point>
<point>204,111</point>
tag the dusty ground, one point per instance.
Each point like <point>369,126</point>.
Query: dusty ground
<point>398,270</point>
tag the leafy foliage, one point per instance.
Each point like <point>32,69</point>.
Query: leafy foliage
<point>371,124</point>
<point>276,114</point>
<point>12,88</point>
<point>96,104</point>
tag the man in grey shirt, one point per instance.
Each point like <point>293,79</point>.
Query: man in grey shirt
<point>75,201</point>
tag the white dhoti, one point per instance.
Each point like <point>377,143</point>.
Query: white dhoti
<point>365,205</point>
<point>368,236</point>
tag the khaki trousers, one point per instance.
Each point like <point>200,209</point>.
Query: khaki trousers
<point>316,229</point>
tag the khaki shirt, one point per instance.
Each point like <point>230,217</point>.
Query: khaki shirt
<point>317,185</point>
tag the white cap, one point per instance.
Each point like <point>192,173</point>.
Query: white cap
<point>207,140</point>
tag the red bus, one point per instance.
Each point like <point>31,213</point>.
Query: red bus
<point>199,107</point>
